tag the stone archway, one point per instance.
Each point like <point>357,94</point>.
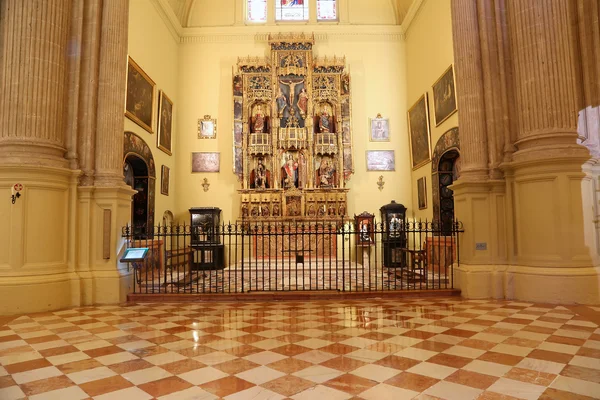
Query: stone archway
<point>135,148</point>
<point>448,142</point>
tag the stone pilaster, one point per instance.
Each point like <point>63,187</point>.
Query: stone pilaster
<point>470,91</point>
<point>90,61</point>
<point>111,93</point>
<point>33,43</point>
<point>546,85</point>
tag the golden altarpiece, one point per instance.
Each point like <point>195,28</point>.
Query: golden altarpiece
<point>292,133</point>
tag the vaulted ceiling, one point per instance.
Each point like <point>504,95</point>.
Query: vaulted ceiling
<point>183,8</point>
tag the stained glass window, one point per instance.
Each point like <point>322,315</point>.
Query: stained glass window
<point>326,10</point>
<point>257,11</point>
<point>291,10</point>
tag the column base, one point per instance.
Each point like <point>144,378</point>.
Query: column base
<point>556,285</point>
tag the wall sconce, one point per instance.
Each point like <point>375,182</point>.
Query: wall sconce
<point>380,183</point>
<point>205,184</point>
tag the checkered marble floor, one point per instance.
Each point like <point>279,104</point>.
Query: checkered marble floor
<point>377,349</point>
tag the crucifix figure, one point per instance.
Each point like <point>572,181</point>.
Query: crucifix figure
<point>292,85</point>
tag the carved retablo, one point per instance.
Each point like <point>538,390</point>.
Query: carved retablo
<point>292,132</point>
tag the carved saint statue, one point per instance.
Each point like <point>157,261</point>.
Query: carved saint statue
<point>324,122</point>
<point>281,102</point>
<point>289,173</point>
<point>326,173</point>
<point>259,121</point>
<point>292,85</point>
<point>260,177</point>
<point>303,102</point>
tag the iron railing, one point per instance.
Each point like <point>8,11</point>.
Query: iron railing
<point>295,256</point>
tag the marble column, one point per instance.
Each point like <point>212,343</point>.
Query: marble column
<point>111,93</point>
<point>470,91</point>
<point>33,67</point>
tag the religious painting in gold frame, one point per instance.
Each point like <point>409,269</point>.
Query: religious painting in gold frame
<point>418,133</point>
<point>139,104</point>
<point>164,180</point>
<point>165,123</point>
<point>207,128</point>
<point>444,96</point>
<point>421,193</point>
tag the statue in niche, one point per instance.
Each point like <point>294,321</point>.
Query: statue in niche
<point>264,211</point>
<point>303,102</point>
<point>276,210</point>
<point>322,210</point>
<point>281,102</point>
<point>244,210</point>
<point>258,120</point>
<point>289,172</point>
<point>326,173</point>
<point>324,122</point>
<point>260,177</point>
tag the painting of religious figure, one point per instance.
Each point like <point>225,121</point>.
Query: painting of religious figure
<point>237,161</point>
<point>348,164</point>
<point>207,128</point>
<point>325,172</point>
<point>380,129</point>
<point>237,108</point>
<point>346,137</point>
<point>205,162</point>
<point>237,133</point>
<point>237,85</point>
<point>139,105</point>
<point>418,132</point>
<point>165,123</point>
<point>421,193</point>
<point>380,160</point>
<point>444,96</point>
<point>164,180</point>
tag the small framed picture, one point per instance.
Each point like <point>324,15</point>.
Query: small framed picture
<point>205,162</point>
<point>421,193</point>
<point>365,228</point>
<point>380,129</point>
<point>164,180</point>
<point>207,128</point>
<point>381,160</point>
<point>165,123</point>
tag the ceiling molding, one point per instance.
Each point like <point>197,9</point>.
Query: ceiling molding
<point>168,16</point>
<point>247,34</point>
<point>414,9</point>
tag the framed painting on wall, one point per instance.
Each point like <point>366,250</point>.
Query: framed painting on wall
<point>418,132</point>
<point>380,160</point>
<point>207,128</point>
<point>205,162</point>
<point>444,96</point>
<point>421,193</point>
<point>164,180</point>
<point>165,122</point>
<point>139,104</point>
<point>380,129</point>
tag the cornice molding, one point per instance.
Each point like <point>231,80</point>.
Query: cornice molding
<point>169,18</point>
<point>414,9</point>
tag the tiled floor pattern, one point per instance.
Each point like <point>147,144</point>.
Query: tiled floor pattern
<point>379,349</point>
<point>310,276</point>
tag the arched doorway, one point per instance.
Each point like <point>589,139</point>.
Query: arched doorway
<point>139,173</point>
<point>445,168</point>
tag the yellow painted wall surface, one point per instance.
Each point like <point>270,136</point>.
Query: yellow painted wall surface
<point>212,13</point>
<point>153,48</point>
<point>371,12</point>
<point>376,66</point>
<point>428,54</point>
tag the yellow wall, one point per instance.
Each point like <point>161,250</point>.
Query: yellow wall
<point>376,66</point>
<point>428,54</point>
<point>155,50</point>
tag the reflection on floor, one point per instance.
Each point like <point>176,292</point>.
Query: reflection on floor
<point>377,349</point>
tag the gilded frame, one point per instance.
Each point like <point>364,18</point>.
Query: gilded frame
<point>419,133</point>
<point>165,123</point>
<point>164,180</point>
<point>422,193</point>
<point>379,129</point>
<point>139,103</point>
<point>207,128</point>
<point>444,96</point>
